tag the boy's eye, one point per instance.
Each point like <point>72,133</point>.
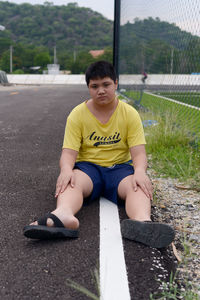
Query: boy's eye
<point>95,86</point>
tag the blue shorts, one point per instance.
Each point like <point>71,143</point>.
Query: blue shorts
<point>105,179</point>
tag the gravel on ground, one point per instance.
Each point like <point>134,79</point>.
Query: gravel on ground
<point>178,205</point>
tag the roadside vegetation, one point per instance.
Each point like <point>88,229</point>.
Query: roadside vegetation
<point>174,289</point>
<point>173,150</point>
<point>173,138</point>
<point>173,142</point>
<point>186,118</point>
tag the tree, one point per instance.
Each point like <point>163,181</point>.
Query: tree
<point>108,55</point>
<point>42,59</point>
<point>5,62</point>
<point>84,59</point>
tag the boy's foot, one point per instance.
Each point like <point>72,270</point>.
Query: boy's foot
<point>155,235</point>
<point>43,232</point>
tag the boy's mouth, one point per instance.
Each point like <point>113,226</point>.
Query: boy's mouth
<point>102,97</point>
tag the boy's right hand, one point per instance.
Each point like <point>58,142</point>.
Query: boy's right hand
<point>66,177</point>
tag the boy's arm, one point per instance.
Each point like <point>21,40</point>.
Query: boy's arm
<point>67,161</point>
<point>140,178</point>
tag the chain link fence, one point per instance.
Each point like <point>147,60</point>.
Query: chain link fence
<point>159,57</point>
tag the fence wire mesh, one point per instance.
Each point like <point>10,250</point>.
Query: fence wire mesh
<point>159,57</point>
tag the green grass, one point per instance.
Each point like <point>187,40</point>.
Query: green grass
<point>85,291</point>
<point>174,144</point>
<point>185,116</point>
<point>174,151</point>
<point>192,98</point>
<point>172,291</point>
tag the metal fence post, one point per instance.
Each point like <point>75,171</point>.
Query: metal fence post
<point>116,37</point>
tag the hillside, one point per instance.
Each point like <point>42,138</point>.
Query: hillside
<point>148,44</point>
<point>71,25</point>
<point>150,29</point>
<point>144,44</point>
<point>66,26</point>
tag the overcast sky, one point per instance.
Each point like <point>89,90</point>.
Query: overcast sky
<point>105,7</point>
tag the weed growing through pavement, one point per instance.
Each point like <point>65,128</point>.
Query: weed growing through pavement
<point>171,290</point>
<point>85,291</point>
<point>174,289</point>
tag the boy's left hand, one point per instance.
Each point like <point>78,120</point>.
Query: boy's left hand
<point>141,179</point>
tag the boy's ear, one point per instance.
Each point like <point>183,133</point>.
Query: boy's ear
<point>116,83</point>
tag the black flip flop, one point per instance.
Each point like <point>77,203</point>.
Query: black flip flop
<point>44,232</point>
<point>155,235</point>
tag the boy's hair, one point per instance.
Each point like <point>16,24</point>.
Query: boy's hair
<point>100,69</point>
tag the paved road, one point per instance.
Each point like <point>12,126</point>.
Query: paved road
<point>32,125</point>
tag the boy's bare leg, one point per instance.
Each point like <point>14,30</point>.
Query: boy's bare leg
<point>138,208</point>
<point>137,204</point>
<point>71,200</point>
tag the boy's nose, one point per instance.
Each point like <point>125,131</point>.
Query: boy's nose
<point>101,90</point>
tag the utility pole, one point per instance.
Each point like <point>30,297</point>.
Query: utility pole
<point>11,59</point>
<point>2,28</point>
<point>172,60</point>
<point>55,58</point>
<point>74,55</point>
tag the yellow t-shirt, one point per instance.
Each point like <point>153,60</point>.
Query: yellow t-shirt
<point>103,144</point>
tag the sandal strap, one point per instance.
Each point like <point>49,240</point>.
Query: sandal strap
<point>42,221</point>
<point>56,220</point>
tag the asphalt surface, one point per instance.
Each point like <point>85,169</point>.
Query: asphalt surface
<point>32,122</point>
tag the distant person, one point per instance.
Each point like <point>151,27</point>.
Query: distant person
<point>103,155</point>
<point>144,76</point>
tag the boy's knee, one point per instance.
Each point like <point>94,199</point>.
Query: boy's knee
<point>125,186</point>
<point>83,182</point>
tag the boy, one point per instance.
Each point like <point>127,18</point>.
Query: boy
<point>103,136</point>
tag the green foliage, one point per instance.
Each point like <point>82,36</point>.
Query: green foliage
<point>81,63</point>
<point>4,44</point>
<point>42,59</point>
<point>108,55</point>
<point>5,62</point>
<point>18,71</point>
<point>148,44</point>
<point>48,25</point>
<point>84,59</point>
<point>145,44</point>
<point>35,29</point>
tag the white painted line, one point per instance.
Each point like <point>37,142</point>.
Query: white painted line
<point>172,100</point>
<point>113,275</point>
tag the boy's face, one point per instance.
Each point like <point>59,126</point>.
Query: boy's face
<point>102,90</point>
